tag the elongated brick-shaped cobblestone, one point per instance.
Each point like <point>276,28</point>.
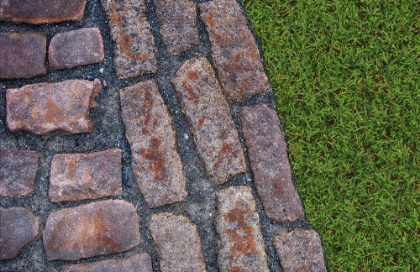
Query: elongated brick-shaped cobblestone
<point>85,176</point>
<point>234,50</point>
<point>154,158</point>
<point>267,153</point>
<point>97,228</point>
<point>211,123</point>
<point>135,50</point>
<point>177,242</point>
<point>48,107</point>
<point>238,225</point>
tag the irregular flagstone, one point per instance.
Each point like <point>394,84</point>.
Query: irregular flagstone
<point>18,170</point>
<point>48,107</point>
<point>237,223</point>
<point>18,228</point>
<point>134,43</point>
<point>76,177</point>
<point>267,153</point>
<point>154,158</point>
<point>178,24</point>
<point>211,123</point>
<point>234,50</point>
<point>177,242</point>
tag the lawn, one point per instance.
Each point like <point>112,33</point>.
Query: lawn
<point>346,76</point>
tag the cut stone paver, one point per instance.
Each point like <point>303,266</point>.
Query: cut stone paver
<point>177,242</point>
<point>85,176</point>
<point>238,225</point>
<point>211,123</point>
<point>178,24</point>
<point>135,50</point>
<point>154,158</point>
<point>300,250</point>
<point>22,55</point>
<point>234,50</point>
<point>267,151</point>
<point>48,107</point>
<point>76,48</point>
<point>18,228</point>
<point>18,170</point>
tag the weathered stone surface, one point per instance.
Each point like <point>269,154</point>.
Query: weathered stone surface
<point>238,225</point>
<point>234,50</point>
<point>76,177</point>
<point>267,153</point>
<point>18,228</point>
<point>178,24</point>
<point>17,172</point>
<point>177,242</point>
<point>48,107</point>
<point>211,123</point>
<point>41,11</point>
<point>76,48</point>
<point>134,43</point>
<point>154,158</point>
<point>22,55</point>
<point>97,228</point>
<point>300,250</point>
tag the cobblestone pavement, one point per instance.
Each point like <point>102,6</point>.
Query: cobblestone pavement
<point>141,135</point>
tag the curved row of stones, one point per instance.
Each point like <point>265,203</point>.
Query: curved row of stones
<point>109,226</point>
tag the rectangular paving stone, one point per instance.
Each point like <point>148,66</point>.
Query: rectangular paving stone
<point>97,228</point>
<point>267,152</point>
<point>76,177</point>
<point>44,108</point>
<point>154,157</point>
<point>22,55</point>
<point>238,226</point>
<point>234,50</point>
<point>135,50</point>
<point>210,120</point>
<point>178,28</point>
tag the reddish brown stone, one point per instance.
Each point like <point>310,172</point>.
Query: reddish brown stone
<point>234,50</point>
<point>41,11</point>
<point>177,242</point>
<point>97,228</point>
<point>134,43</point>
<point>209,116</point>
<point>76,48</point>
<point>178,24</point>
<point>300,250</point>
<point>238,225</point>
<point>18,228</point>
<point>76,177</point>
<point>48,107</point>
<point>22,55</point>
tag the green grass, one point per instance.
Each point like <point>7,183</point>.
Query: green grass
<point>346,76</point>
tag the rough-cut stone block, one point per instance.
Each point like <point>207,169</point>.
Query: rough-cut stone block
<point>300,250</point>
<point>178,24</point>
<point>154,158</point>
<point>48,107</point>
<point>97,228</point>
<point>267,153</point>
<point>234,50</point>
<point>41,11</point>
<point>76,48</point>
<point>22,55</point>
<point>177,242</point>
<point>211,123</point>
<point>238,225</point>
<point>17,172</point>
<point>134,43</point>
<point>18,228</point>
<point>76,177</point>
